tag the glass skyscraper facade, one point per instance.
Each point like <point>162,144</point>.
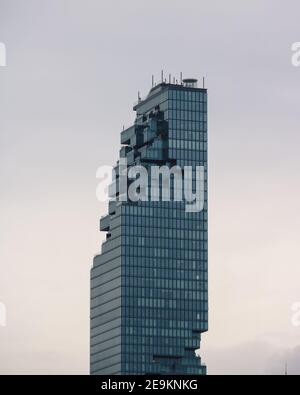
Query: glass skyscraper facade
<point>149,298</point>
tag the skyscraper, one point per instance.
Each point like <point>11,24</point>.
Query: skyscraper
<point>149,299</point>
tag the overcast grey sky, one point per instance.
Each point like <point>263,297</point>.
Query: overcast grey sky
<point>74,68</point>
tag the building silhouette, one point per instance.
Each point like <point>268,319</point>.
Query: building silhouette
<point>149,299</point>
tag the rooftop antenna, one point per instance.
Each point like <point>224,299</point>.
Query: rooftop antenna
<point>203,82</point>
<point>174,80</point>
<point>181,78</point>
<point>162,76</point>
<point>170,78</point>
<point>139,96</point>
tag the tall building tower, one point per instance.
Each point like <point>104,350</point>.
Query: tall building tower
<point>149,299</point>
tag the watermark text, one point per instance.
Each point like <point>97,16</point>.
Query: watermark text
<point>2,314</point>
<point>296,54</point>
<point>296,316</point>
<point>2,55</point>
<point>153,183</point>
